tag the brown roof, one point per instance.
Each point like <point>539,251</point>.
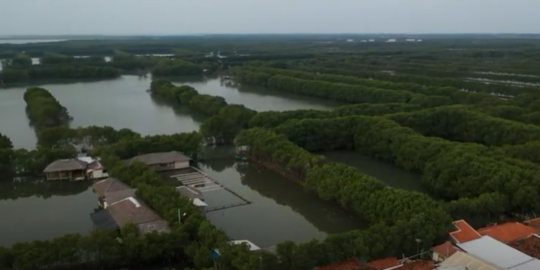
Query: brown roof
<point>189,192</point>
<point>529,245</point>
<point>508,232</point>
<point>161,158</point>
<point>535,223</point>
<point>130,210</point>
<point>63,165</point>
<point>464,232</point>
<point>384,263</point>
<point>417,265</point>
<point>350,264</point>
<point>109,185</point>
<point>446,249</point>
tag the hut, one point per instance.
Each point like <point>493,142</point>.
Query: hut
<point>164,161</point>
<point>66,169</point>
<point>129,210</point>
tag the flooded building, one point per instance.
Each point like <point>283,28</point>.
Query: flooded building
<point>75,169</point>
<point>66,169</point>
<point>112,190</point>
<point>129,210</point>
<point>164,161</point>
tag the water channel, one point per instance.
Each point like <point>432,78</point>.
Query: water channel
<point>280,210</point>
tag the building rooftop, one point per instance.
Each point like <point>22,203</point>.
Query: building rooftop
<point>529,245</point>
<point>508,232</point>
<point>108,185</point>
<point>130,210</point>
<point>446,249</point>
<point>499,254</point>
<point>63,165</point>
<point>464,232</point>
<point>417,265</point>
<point>385,263</point>
<point>113,190</point>
<point>464,261</point>
<point>161,158</point>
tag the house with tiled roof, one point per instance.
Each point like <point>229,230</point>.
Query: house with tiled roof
<point>444,251</point>
<point>529,245</point>
<point>508,232</point>
<point>505,232</point>
<point>464,232</point>
<point>384,264</point>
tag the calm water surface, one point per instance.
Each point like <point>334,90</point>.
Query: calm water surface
<point>387,173</point>
<point>255,98</point>
<point>43,210</point>
<point>281,210</point>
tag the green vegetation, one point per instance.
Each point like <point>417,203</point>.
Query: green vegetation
<point>43,109</point>
<point>225,120</point>
<point>424,107</point>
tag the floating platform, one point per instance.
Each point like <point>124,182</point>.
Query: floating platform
<point>202,182</point>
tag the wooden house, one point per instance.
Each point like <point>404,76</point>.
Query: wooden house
<point>164,161</point>
<point>66,169</point>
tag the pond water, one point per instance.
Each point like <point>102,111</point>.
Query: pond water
<point>280,210</point>
<point>42,210</point>
<point>387,173</point>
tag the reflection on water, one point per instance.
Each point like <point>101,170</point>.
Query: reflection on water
<point>269,219</point>
<point>35,210</point>
<point>255,98</point>
<point>385,172</point>
<point>119,103</point>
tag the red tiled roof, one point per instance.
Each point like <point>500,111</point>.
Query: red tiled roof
<point>446,249</point>
<point>350,264</point>
<point>529,246</point>
<point>465,232</point>
<point>383,263</point>
<point>508,232</point>
<point>417,265</point>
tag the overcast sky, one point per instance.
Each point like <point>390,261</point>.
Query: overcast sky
<point>21,17</point>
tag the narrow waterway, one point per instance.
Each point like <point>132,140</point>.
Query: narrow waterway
<point>254,97</point>
<point>387,173</point>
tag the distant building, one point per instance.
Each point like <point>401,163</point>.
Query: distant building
<point>391,40</point>
<point>74,169</point>
<point>66,169</point>
<point>163,161</point>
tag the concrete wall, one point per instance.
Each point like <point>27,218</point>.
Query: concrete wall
<point>181,165</point>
